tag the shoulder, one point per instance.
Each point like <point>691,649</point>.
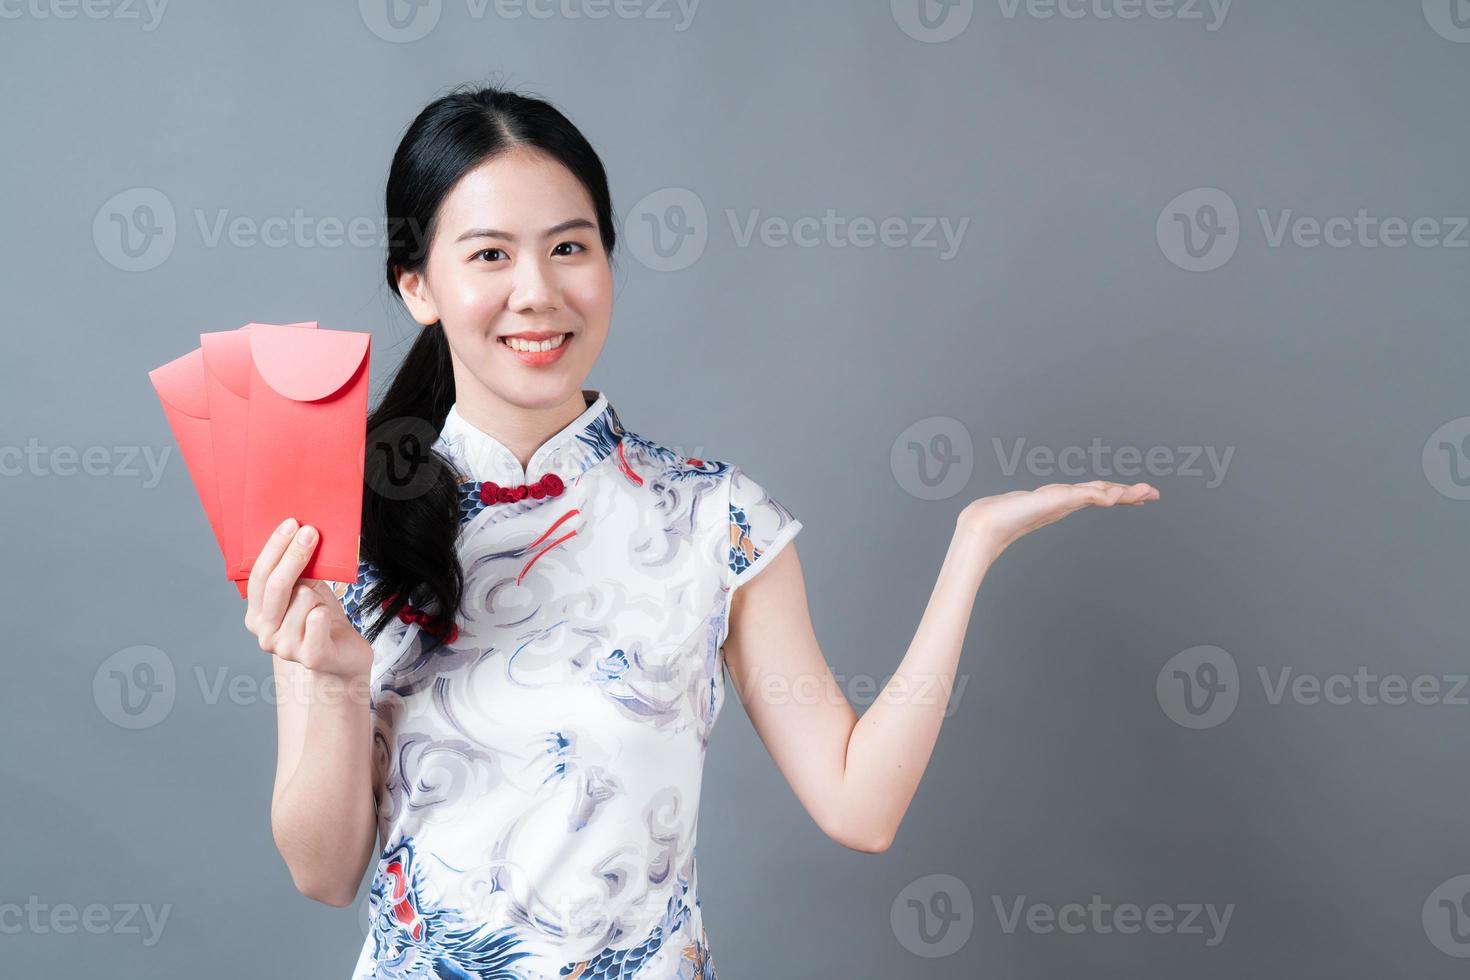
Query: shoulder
<point>669,465</point>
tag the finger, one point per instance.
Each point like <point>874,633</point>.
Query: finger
<point>336,611</point>
<point>1096,494</point>
<point>277,593</point>
<point>265,563</point>
<point>289,636</point>
<point>1140,493</point>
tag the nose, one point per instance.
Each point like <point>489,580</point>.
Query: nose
<point>536,287</point>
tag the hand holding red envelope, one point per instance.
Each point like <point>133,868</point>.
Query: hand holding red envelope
<point>271,421</point>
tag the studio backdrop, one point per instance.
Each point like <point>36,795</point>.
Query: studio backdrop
<point>892,258</point>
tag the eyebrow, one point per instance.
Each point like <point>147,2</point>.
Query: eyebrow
<point>553,230</point>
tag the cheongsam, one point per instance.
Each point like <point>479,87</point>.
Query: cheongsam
<point>539,771</point>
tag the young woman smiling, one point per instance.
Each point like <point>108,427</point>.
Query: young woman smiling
<point>510,706</point>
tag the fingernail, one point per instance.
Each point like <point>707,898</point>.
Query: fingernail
<point>287,526</point>
<point>307,537</point>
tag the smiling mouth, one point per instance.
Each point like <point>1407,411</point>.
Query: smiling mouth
<point>534,346</point>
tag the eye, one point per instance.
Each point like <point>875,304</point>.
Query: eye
<point>577,244</point>
<point>485,251</point>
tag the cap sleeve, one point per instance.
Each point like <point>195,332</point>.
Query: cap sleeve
<point>760,526</point>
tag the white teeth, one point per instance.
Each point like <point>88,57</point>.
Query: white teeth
<point>534,346</point>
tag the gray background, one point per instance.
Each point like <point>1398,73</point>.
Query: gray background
<point>1335,541</point>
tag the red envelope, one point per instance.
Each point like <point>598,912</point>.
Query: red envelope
<point>227,383</point>
<point>303,453</point>
<point>183,390</point>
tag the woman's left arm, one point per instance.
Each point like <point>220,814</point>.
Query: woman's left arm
<point>857,776</point>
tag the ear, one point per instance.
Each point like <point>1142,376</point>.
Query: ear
<point>414,289</point>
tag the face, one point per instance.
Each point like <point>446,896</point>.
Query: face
<point>516,251</point>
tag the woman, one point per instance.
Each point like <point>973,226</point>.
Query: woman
<point>517,692</point>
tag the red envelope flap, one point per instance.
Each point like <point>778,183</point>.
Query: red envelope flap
<point>228,355</point>
<point>180,383</point>
<point>308,324</point>
<point>307,365</point>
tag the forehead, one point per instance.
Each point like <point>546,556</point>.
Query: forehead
<point>522,192</point>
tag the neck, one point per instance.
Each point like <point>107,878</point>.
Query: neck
<point>520,429</point>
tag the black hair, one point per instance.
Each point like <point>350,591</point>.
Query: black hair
<point>409,526</point>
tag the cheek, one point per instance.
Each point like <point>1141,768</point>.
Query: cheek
<point>475,302</point>
<point>589,290</point>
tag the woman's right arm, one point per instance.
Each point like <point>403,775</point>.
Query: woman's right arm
<point>323,814</point>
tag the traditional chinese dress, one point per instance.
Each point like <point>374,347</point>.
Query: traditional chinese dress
<point>539,772</point>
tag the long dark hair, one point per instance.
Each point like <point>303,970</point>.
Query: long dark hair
<point>410,523</point>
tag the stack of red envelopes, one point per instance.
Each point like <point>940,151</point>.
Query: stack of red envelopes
<point>271,420</point>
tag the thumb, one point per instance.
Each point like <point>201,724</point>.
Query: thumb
<point>317,638</point>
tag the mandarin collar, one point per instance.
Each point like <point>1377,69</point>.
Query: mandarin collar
<point>585,441</point>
